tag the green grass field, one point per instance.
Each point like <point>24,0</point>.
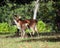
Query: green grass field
<point>35,42</point>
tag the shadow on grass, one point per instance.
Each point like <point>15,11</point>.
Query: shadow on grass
<point>40,33</point>
<point>42,39</point>
<point>52,37</point>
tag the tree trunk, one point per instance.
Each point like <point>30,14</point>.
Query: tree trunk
<point>36,9</point>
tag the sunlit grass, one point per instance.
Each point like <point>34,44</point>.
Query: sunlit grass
<point>17,42</point>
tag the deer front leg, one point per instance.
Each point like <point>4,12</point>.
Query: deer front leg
<point>23,33</point>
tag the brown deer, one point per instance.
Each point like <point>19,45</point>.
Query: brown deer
<point>24,24</point>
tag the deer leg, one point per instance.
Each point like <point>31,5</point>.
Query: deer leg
<point>36,30</point>
<point>33,30</point>
<point>21,30</point>
<point>23,33</point>
<point>30,34</point>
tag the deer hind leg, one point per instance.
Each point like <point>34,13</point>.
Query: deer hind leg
<point>22,33</point>
<point>33,30</point>
<point>36,30</point>
<point>30,34</point>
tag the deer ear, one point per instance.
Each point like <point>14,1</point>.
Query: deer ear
<point>15,15</point>
<point>19,16</point>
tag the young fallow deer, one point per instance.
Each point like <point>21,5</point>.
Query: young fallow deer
<point>24,24</point>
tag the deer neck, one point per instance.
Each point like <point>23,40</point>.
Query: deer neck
<point>17,24</point>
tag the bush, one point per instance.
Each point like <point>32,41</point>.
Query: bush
<point>5,28</point>
<point>42,27</point>
<point>12,29</point>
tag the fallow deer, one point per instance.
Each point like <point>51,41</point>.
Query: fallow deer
<point>24,24</point>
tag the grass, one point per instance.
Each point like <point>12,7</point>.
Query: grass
<point>35,42</point>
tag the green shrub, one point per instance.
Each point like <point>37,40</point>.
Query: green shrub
<point>12,29</point>
<point>5,28</point>
<point>42,27</point>
<point>28,30</point>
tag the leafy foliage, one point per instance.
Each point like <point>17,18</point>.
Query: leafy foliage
<point>42,27</point>
<point>5,28</point>
<point>46,12</point>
